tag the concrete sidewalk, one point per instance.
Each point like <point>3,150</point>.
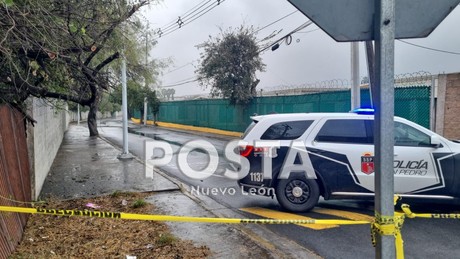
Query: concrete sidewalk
<point>88,166</point>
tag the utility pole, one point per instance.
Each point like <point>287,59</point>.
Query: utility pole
<point>145,111</point>
<point>146,63</point>
<point>124,101</point>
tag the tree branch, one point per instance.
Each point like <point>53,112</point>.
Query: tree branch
<point>107,33</point>
<point>106,62</point>
<point>41,92</point>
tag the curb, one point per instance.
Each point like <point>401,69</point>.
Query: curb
<point>192,128</point>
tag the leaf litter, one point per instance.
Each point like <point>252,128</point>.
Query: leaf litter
<point>84,237</point>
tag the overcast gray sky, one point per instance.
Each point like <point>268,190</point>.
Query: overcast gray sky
<point>311,57</point>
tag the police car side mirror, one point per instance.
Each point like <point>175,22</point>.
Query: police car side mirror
<point>435,141</point>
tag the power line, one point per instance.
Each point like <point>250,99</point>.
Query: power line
<point>273,34</point>
<point>309,31</point>
<point>423,47</point>
<point>180,20</point>
<point>203,12</point>
<point>192,16</point>
<point>175,69</point>
<point>182,83</point>
<point>195,8</point>
<point>286,37</point>
<point>189,80</point>
<point>284,17</point>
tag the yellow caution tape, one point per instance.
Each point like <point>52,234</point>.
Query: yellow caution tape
<point>396,198</point>
<point>408,213</point>
<point>132,216</point>
<point>392,225</point>
<point>383,225</point>
<point>389,226</point>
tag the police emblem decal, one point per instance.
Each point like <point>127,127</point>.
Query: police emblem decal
<point>367,163</point>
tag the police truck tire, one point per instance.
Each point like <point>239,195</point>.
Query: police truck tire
<point>297,193</point>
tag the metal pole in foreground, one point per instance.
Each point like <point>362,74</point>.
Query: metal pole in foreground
<point>145,111</point>
<point>124,104</point>
<point>355,89</point>
<point>370,56</point>
<point>78,114</point>
<point>146,63</point>
<point>432,104</point>
<point>384,121</point>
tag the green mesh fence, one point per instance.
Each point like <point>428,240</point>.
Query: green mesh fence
<point>137,114</point>
<point>412,103</point>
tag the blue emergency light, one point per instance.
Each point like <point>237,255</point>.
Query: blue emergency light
<point>367,111</point>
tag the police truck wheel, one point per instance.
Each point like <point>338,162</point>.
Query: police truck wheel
<point>297,193</point>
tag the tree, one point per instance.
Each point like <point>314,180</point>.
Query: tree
<point>136,95</point>
<point>153,103</point>
<point>68,49</point>
<point>168,93</point>
<point>106,105</point>
<point>229,64</point>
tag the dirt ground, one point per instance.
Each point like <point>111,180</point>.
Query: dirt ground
<point>84,237</point>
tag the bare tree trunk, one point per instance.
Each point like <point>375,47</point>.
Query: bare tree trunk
<point>92,117</point>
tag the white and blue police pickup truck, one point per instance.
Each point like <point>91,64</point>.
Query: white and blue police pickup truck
<point>303,156</point>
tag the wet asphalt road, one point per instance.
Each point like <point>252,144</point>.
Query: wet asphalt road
<point>423,238</point>
<point>222,187</point>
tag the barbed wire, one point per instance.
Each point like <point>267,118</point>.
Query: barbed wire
<point>421,78</point>
<point>414,79</point>
<point>195,97</point>
<point>334,84</point>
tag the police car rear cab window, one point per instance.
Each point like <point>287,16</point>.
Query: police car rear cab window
<point>286,130</point>
<point>250,127</point>
<point>405,135</point>
<point>344,131</point>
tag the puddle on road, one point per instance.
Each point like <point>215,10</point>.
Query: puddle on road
<point>148,135</point>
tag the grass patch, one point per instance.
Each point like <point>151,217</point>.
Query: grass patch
<point>117,194</point>
<point>139,203</point>
<point>166,239</point>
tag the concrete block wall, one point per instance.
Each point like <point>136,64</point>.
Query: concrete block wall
<point>44,139</point>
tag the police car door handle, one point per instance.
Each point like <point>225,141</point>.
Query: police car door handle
<point>395,154</point>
